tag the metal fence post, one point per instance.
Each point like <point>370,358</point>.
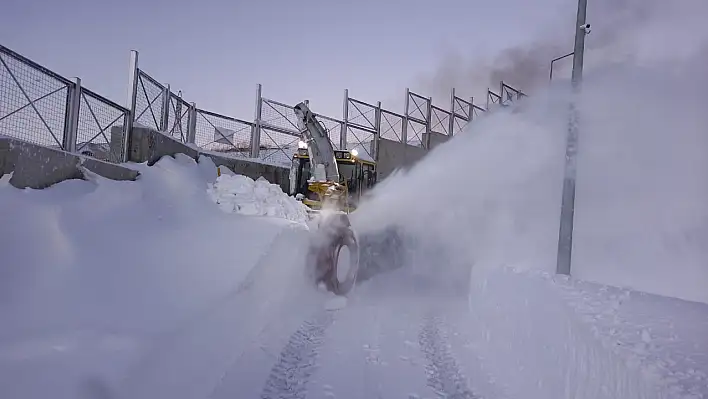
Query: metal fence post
<point>451,122</point>
<point>165,109</point>
<point>501,93</point>
<point>132,99</point>
<point>404,122</point>
<point>377,128</point>
<point>71,124</point>
<point>192,124</point>
<point>470,112</point>
<point>428,122</point>
<point>565,230</point>
<point>256,129</point>
<point>345,121</point>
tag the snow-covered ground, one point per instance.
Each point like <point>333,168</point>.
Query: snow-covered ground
<point>99,275</point>
<point>179,285</point>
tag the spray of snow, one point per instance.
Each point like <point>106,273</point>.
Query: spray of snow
<point>490,199</point>
<point>491,195</point>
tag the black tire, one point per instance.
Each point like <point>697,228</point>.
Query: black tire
<point>339,234</point>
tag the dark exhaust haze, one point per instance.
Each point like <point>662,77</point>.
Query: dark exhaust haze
<point>616,26</point>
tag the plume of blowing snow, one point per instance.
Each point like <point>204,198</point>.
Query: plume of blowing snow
<point>636,31</point>
<point>491,196</point>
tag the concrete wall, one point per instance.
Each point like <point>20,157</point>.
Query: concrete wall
<point>393,155</point>
<point>148,145</point>
<point>38,167</point>
<point>436,139</point>
<point>35,166</point>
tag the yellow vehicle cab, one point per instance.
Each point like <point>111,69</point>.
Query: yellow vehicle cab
<point>357,174</point>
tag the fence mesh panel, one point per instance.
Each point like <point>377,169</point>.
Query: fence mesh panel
<point>277,148</point>
<point>440,121</point>
<point>148,104</point>
<point>361,140</point>
<point>278,115</point>
<point>391,126</point>
<point>361,114</point>
<point>33,101</point>
<point>334,130</point>
<point>97,116</point>
<point>178,117</point>
<point>417,107</point>
<point>459,125</point>
<point>461,108</point>
<point>218,133</point>
<point>415,133</point>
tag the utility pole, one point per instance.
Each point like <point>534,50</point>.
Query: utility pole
<point>565,233</point>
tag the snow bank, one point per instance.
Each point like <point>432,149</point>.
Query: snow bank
<point>547,337</point>
<point>95,274</point>
<point>241,194</point>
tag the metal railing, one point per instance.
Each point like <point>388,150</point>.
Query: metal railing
<point>42,107</point>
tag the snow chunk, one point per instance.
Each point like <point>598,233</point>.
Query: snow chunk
<point>243,195</point>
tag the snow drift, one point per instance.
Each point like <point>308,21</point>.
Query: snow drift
<point>96,273</point>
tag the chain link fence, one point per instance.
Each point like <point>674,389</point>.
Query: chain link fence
<point>223,134</point>
<point>277,148</point>
<point>42,107</point>
<point>334,130</point>
<point>97,116</point>
<point>178,120</point>
<point>149,102</point>
<point>440,121</point>
<point>33,101</point>
<point>391,126</point>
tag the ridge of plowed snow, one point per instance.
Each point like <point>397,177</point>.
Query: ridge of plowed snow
<point>241,194</point>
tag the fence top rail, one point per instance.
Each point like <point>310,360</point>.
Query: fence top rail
<point>151,79</point>
<point>327,118</point>
<point>478,108</point>
<point>268,100</point>
<point>438,109</point>
<point>396,114</point>
<point>463,101</point>
<point>230,118</point>
<point>356,126</point>
<point>34,65</point>
<point>103,99</point>
<point>416,120</point>
<point>178,98</point>
<point>506,86</point>
<point>412,94</point>
<point>354,100</point>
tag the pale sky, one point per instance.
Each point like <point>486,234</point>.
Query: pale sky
<point>217,51</point>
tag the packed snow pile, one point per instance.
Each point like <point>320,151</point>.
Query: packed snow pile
<point>243,195</point>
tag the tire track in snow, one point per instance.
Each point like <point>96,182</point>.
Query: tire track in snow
<point>444,374</point>
<point>289,377</point>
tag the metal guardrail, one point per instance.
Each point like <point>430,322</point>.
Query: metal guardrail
<point>42,107</point>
